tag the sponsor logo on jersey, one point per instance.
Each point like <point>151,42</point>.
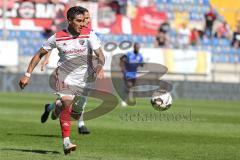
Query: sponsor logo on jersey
<point>74,51</point>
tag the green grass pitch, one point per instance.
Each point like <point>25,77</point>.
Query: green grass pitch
<point>189,130</point>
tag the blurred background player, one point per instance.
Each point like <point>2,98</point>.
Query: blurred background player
<point>70,72</point>
<point>80,101</point>
<point>129,64</point>
<point>210,18</point>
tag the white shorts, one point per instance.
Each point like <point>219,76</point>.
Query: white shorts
<point>78,82</point>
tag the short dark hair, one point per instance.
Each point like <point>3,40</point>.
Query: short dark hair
<point>74,11</point>
<point>135,44</point>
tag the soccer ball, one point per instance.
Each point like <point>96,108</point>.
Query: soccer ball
<point>161,100</point>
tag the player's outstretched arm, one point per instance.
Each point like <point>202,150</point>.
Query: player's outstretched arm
<point>35,60</point>
<point>122,63</point>
<point>141,64</point>
<point>101,62</point>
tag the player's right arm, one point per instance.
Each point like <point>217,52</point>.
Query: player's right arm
<point>47,46</point>
<point>35,60</point>
<point>122,62</point>
<point>141,63</point>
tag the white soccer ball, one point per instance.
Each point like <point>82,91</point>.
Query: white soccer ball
<point>161,100</point>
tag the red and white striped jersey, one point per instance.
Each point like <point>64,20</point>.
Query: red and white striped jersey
<point>75,54</point>
<point>72,47</point>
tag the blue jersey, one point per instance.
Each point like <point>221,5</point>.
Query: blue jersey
<point>132,61</point>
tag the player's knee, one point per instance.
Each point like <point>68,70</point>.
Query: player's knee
<point>58,102</point>
<point>67,100</point>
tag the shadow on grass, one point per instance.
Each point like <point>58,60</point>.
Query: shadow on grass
<point>34,135</point>
<point>30,151</point>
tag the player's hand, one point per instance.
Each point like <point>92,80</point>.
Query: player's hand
<point>43,64</point>
<point>23,82</point>
<point>99,71</point>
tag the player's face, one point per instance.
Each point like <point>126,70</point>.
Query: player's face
<point>137,47</point>
<point>77,23</point>
<point>86,19</point>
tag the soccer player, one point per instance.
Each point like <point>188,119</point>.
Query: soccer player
<point>129,64</point>
<point>80,101</point>
<point>74,71</point>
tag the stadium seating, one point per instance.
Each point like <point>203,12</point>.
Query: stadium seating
<point>30,41</point>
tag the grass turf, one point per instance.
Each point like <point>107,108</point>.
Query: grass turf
<point>190,130</point>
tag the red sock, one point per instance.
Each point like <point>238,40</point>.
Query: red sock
<point>65,121</point>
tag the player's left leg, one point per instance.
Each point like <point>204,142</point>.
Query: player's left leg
<point>49,107</point>
<point>125,91</point>
<point>129,84</point>
<point>78,112</point>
